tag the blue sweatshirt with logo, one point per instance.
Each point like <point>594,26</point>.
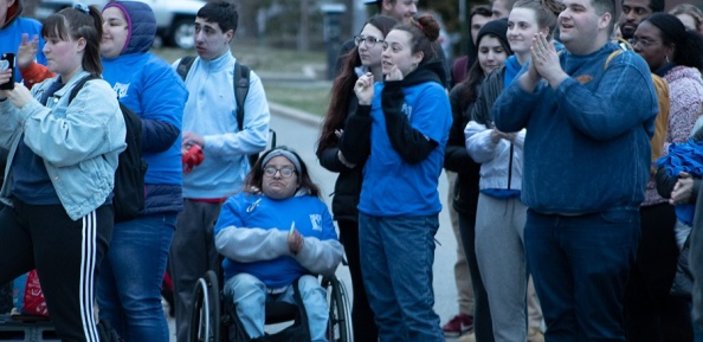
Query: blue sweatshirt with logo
<point>150,87</point>
<point>409,130</point>
<point>252,233</point>
<point>587,144</point>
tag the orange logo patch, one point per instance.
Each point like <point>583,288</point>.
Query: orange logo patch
<point>583,79</point>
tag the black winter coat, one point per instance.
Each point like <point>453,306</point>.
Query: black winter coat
<point>348,185</point>
<point>457,159</point>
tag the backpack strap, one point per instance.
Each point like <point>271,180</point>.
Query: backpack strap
<point>623,45</point>
<point>79,86</point>
<point>184,66</point>
<point>240,82</point>
<point>241,89</point>
<point>612,56</point>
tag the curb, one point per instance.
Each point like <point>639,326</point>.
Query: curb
<point>295,114</point>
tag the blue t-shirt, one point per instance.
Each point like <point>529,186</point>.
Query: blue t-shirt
<point>30,181</point>
<point>392,186</point>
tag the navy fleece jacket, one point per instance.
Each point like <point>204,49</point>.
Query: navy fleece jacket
<point>587,144</point>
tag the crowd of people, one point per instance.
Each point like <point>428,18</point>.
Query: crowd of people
<point>571,139</point>
<point>558,160</point>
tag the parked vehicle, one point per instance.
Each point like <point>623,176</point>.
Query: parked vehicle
<point>174,18</point>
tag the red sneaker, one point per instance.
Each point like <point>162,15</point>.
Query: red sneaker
<point>458,325</point>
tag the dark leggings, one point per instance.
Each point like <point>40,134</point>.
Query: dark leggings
<point>651,312</point>
<point>482,314</point>
<point>362,316</point>
<point>65,253</point>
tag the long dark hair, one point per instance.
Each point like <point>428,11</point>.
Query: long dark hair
<point>474,77</point>
<point>254,180</point>
<point>688,45</point>
<point>343,86</point>
<point>78,23</point>
<point>493,29</point>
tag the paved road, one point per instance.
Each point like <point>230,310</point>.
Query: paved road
<point>302,137</point>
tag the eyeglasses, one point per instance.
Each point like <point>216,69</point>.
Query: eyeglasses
<point>286,171</point>
<point>644,42</point>
<point>370,41</point>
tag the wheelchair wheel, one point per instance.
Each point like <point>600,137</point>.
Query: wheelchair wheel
<point>205,312</point>
<point>339,328</point>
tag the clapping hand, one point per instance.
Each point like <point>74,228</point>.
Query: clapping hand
<point>363,88</point>
<point>546,60</point>
<point>497,135</point>
<point>27,52</point>
<point>682,190</point>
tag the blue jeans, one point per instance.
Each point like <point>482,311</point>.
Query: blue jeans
<point>249,295</point>
<point>129,284</point>
<point>580,265</point>
<point>397,254</point>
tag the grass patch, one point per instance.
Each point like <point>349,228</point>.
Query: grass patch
<point>310,97</point>
<point>259,58</point>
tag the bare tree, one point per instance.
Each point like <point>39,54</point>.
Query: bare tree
<point>247,18</point>
<point>304,31</point>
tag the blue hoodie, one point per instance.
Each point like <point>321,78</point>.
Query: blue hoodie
<point>587,144</point>
<point>150,87</point>
<point>11,34</point>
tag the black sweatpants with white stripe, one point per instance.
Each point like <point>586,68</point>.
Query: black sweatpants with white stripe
<point>65,253</point>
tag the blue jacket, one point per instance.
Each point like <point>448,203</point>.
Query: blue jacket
<point>252,232</point>
<point>11,34</point>
<point>587,144</point>
<point>150,87</point>
<point>211,113</point>
<point>79,142</point>
<point>683,157</point>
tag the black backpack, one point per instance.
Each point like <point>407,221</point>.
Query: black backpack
<point>241,89</point>
<point>128,201</point>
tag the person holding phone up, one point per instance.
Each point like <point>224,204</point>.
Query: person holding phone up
<point>60,172</point>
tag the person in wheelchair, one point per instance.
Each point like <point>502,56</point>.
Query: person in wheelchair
<point>274,233</point>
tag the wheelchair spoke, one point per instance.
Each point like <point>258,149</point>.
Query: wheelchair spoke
<point>339,327</point>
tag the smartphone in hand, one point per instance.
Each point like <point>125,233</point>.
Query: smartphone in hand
<point>7,62</point>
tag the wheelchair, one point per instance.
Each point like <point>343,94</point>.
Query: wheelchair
<point>214,317</point>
